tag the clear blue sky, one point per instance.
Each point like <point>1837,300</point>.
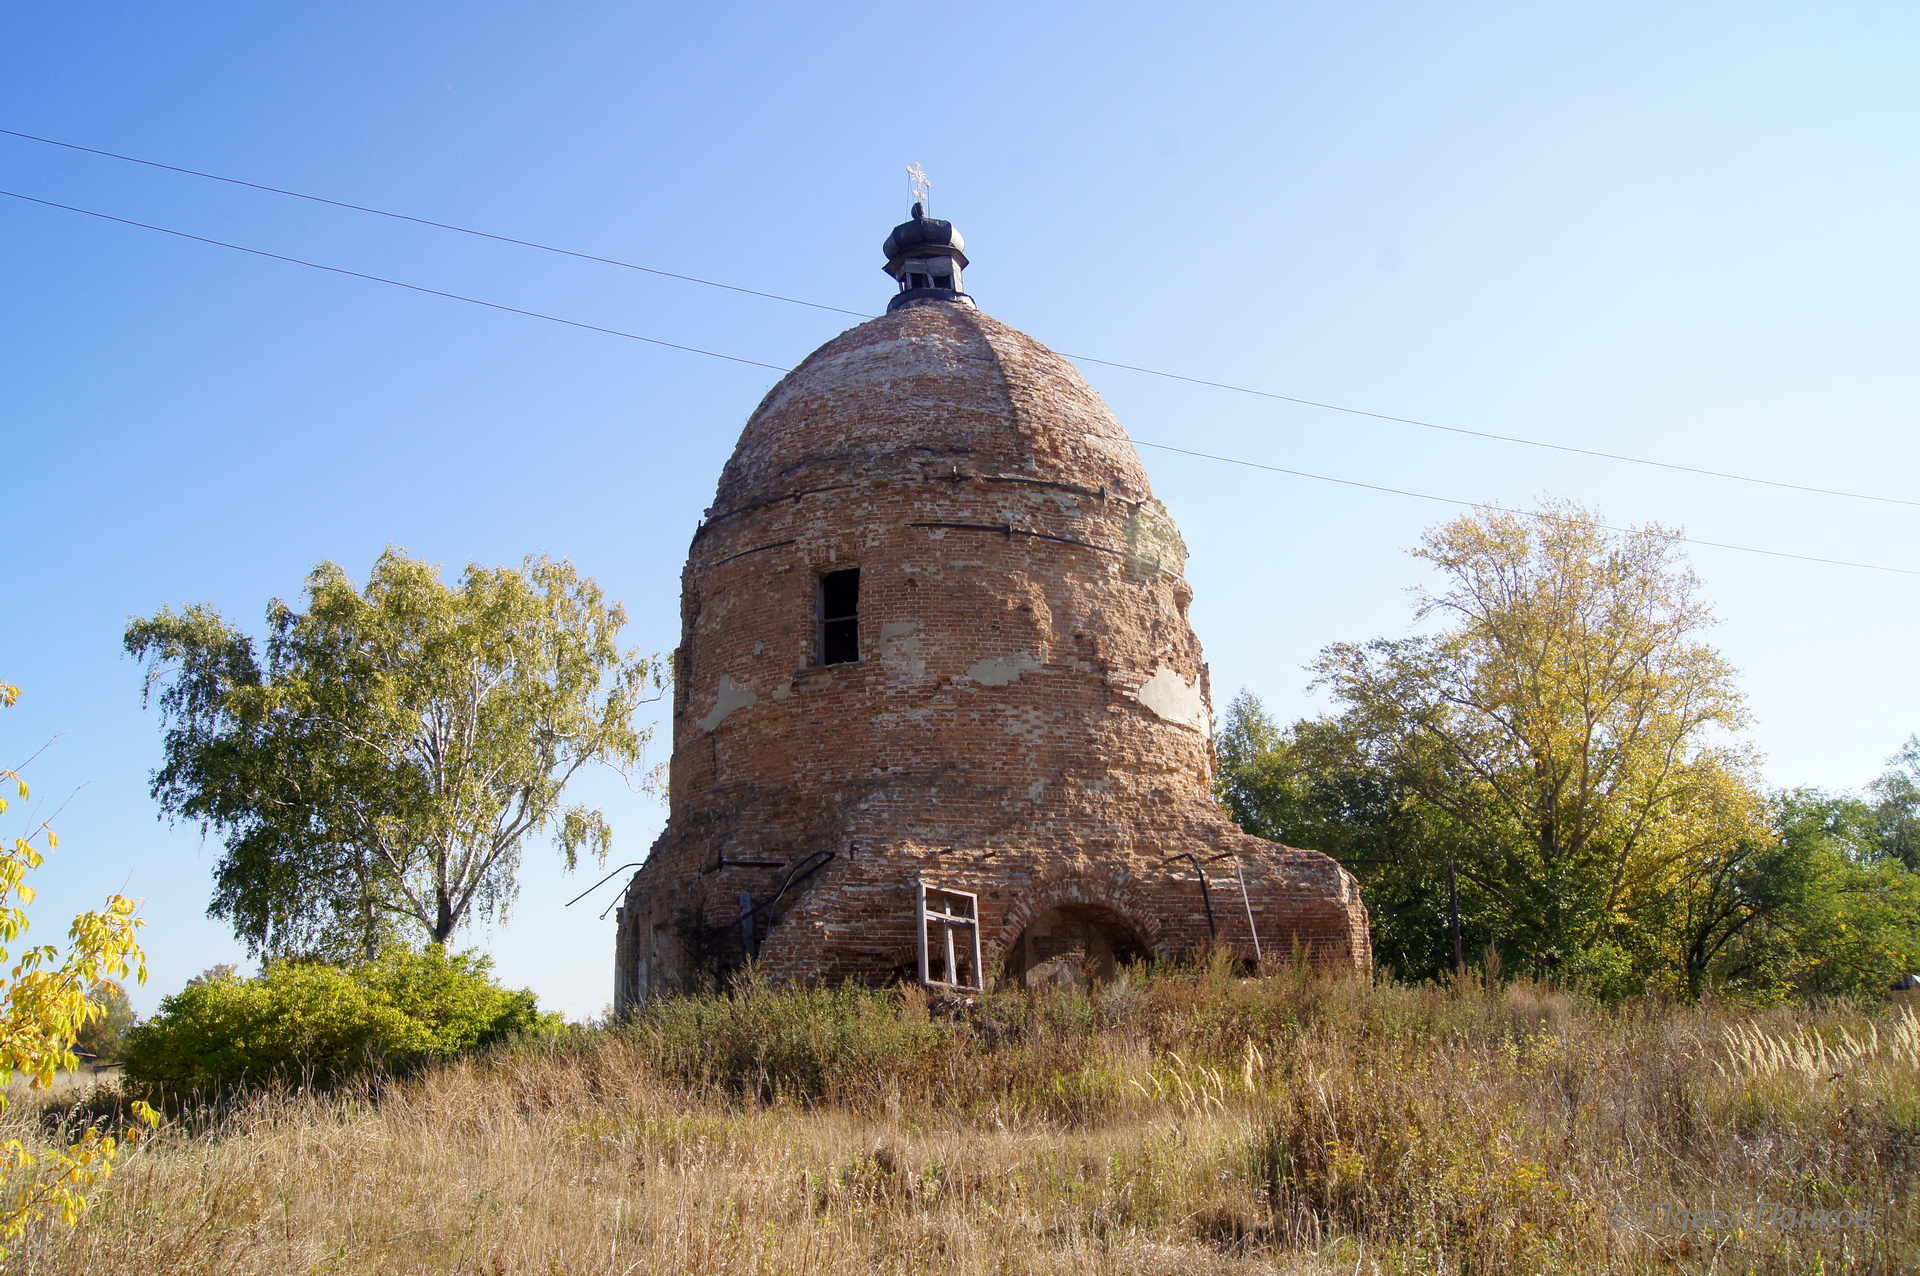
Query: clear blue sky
<point>1679,231</point>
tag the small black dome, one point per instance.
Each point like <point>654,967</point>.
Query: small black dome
<point>923,232</point>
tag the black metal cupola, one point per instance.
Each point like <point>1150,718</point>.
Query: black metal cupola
<point>925,257</point>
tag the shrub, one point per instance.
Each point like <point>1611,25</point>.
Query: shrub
<point>1606,970</point>
<point>319,1025</point>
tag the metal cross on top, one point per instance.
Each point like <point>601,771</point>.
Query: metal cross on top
<point>921,187</point>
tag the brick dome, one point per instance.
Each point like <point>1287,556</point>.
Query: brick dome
<point>934,635</point>
<point>924,387</point>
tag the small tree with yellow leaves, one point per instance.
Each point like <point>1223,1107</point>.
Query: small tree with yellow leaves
<point>44,1005</point>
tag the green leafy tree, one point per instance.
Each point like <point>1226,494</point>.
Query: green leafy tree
<point>1896,810</point>
<point>214,974</point>
<point>1796,895</point>
<point>1318,784</point>
<point>105,1035</point>
<point>384,768</point>
<point>1558,713</point>
<point>1848,917</point>
<point>1714,877</point>
<point>1804,895</point>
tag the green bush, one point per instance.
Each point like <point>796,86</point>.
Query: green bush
<point>1606,971</point>
<point>306,1023</point>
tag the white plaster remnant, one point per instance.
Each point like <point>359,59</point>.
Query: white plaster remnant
<point>731,696</point>
<point>1170,696</point>
<point>904,644</point>
<point>782,691</point>
<point>996,671</point>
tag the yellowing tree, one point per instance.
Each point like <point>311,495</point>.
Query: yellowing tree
<point>1566,711</point>
<point>44,1005</point>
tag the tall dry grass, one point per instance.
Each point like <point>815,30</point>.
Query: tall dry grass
<point>1178,1121</point>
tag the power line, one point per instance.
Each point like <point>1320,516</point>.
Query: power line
<point>1503,438</point>
<point>714,354</point>
<point>1454,500</point>
<point>423,221</point>
<point>396,283</point>
<point>1129,367</point>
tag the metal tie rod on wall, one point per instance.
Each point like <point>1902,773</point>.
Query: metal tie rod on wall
<point>602,882</point>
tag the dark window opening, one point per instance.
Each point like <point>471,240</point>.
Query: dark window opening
<point>943,281</point>
<point>917,281</point>
<point>840,617</point>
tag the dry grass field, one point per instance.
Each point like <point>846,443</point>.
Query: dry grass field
<point>1173,1122</point>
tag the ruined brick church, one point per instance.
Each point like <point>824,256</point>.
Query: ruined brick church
<point>938,711</point>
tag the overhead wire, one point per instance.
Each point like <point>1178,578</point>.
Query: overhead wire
<point>1502,438</point>
<point>1454,500</point>
<point>715,354</point>
<point>396,283</point>
<point>1109,363</point>
<point>425,221</point>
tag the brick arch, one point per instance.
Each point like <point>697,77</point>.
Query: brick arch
<point>1091,886</point>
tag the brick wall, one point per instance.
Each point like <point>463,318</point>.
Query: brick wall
<point>1028,718</point>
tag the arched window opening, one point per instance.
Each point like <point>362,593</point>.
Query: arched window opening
<point>1073,945</point>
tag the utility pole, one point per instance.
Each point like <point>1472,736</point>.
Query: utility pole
<point>1453,905</point>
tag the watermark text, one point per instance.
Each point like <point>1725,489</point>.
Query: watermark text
<point>1676,1216</point>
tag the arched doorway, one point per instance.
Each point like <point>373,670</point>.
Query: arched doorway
<point>1073,945</point>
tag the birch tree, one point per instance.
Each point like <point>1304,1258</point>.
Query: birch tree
<point>381,772</point>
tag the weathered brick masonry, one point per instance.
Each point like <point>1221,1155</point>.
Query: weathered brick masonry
<point>1028,715</point>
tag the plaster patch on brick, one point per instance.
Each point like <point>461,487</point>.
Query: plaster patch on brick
<point>1170,696</point>
<point>999,671</point>
<point>731,696</point>
<point>1029,724</point>
<point>1154,545</point>
<point>904,645</point>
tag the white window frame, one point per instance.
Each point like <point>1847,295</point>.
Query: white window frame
<point>956,910</point>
